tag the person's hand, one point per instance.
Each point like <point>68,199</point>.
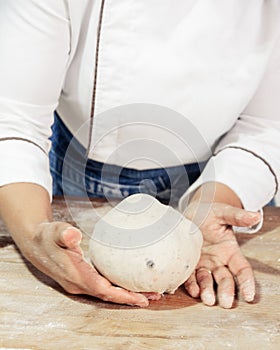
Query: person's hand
<point>55,250</point>
<point>222,262</point>
<point>54,247</point>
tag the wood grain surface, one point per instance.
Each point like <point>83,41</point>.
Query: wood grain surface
<point>35,313</point>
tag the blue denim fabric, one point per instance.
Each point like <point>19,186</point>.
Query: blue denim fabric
<point>95,179</point>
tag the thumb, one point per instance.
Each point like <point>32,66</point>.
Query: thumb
<point>67,236</point>
<point>238,217</point>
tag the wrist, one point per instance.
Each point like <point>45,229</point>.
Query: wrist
<point>23,207</point>
<point>215,192</point>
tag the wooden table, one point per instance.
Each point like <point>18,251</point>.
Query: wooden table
<point>35,313</point>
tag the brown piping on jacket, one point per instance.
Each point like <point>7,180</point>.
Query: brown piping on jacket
<point>261,158</point>
<point>22,139</point>
<point>95,74</point>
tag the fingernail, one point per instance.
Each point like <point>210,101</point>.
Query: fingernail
<point>74,241</point>
<point>208,299</point>
<point>248,290</point>
<point>143,302</point>
<point>249,296</point>
<point>154,297</point>
<point>226,301</point>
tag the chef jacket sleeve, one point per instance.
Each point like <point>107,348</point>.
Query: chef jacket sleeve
<point>247,158</point>
<point>34,46</point>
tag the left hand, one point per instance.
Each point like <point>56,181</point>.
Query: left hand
<point>222,261</point>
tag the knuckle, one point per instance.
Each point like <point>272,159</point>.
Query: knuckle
<point>204,279</point>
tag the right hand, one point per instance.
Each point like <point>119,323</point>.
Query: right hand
<point>222,262</point>
<point>55,250</point>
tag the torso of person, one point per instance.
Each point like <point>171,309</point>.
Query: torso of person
<point>161,68</point>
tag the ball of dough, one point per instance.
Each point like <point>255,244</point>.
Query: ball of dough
<point>145,246</point>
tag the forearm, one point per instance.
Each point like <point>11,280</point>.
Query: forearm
<point>23,206</point>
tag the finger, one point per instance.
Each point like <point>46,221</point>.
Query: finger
<point>62,233</point>
<point>236,216</point>
<point>152,296</point>
<point>122,296</point>
<point>70,237</point>
<point>205,282</point>
<point>244,275</point>
<point>226,286</point>
<point>246,283</point>
<point>192,287</point>
<point>98,286</point>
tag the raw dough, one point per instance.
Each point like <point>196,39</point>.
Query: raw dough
<point>145,246</point>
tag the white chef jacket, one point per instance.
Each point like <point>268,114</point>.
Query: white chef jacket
<point>215,63</point>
